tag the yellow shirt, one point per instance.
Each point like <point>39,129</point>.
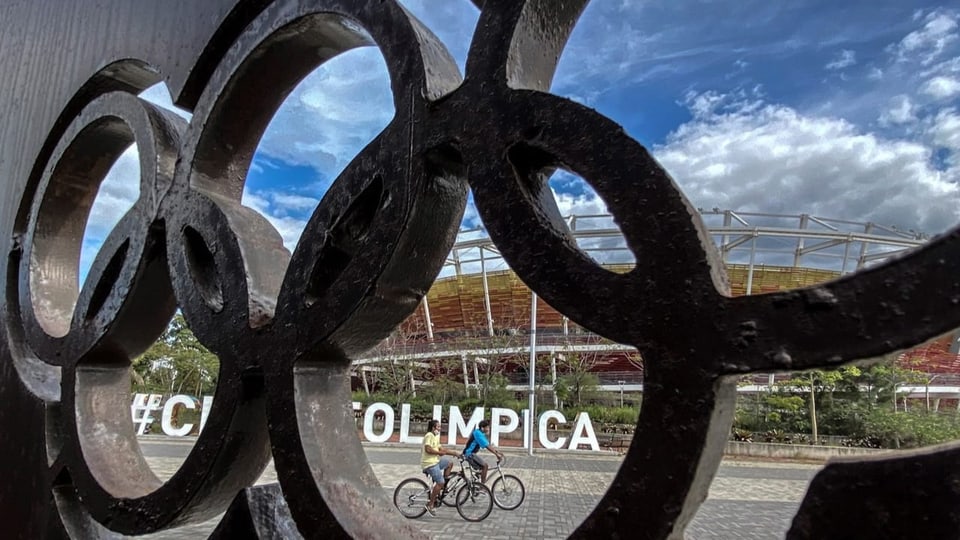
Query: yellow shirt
<point>429,460</point>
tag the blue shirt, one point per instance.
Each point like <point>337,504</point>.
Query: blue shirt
<point>479,442</point>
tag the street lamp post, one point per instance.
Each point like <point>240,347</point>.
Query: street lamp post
<point>531,419</point>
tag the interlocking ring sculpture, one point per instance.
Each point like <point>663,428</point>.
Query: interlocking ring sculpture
<point>285,327</point>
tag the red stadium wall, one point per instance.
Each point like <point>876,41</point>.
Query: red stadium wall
<point>457,311</point>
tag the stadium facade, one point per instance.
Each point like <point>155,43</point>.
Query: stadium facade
<point>478,311</point>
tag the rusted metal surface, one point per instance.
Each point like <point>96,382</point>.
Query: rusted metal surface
<point>286,326</point>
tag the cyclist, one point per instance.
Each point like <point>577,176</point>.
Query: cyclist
<point>434,462</point>
<point>477,441</point>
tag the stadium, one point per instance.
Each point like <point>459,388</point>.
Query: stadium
<point>478,313</point>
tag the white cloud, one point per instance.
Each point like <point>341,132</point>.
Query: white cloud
<point>939,31</point>
<point>946,130</point>
<point>295,202</point>
<point>942,87</point>
<point>901,111</point>
<point>756,156</point>
<point>579,205</point>
<point>591,214</point>
<point>471,217</point>
<point>255,201</point>
<point>920,65</point>
<point>453,21</point>
<point>290,228</point>
<point>740,150</point>
<point>844,58</point>
<point>332,114</point>
<point>117,194</point>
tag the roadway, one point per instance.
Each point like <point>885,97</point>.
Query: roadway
<point>752,500</point>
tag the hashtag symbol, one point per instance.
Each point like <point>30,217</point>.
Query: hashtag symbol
<point>140,409</point>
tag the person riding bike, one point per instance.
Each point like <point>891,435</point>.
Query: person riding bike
<point>478,440</point>
<point>434,462</point>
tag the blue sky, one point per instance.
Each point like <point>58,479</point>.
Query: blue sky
<point>844,110</point>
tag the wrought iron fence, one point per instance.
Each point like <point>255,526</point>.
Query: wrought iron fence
<point>286,326</point>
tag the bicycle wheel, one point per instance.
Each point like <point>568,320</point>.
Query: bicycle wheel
<point>474,502</point>
<point>411,496</point>
<point>454,483</point>
<point>508,492</point>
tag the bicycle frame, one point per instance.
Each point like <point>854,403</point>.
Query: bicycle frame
<point>507,485</point>
<point>495,470</point>
<point>451,486</point>
<point>463,486</point>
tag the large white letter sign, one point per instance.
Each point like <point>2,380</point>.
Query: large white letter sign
<point>457,426</point>
<point>141,408</point>
<point>205,410</point>
<point>542,432</point>
<point>583,433</point>
<point>405,426</point>
<point>496,429</point>
<point>387,422</point>
<point>502,421</point>
<point>165,419</point>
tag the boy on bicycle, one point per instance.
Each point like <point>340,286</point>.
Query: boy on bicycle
<point>434,462</point>
<point>477,441</point>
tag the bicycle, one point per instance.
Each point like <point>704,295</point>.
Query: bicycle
<point>473,500</point>
<point>508,491</point>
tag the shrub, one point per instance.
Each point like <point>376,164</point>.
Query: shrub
<point>909,429</point>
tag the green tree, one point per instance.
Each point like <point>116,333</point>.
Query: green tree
<point>446,385</point>
<point>176,363</point>
<point>577,375</point>
<point>876,382</point>
<point>395,376</point>
<point>562,391</point>
<point>499,351</point>
<point>815,383</point>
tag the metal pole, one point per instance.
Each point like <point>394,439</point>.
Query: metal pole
<point>456,262</point>
<point>864,245</point>
<point>553,378</point>
<point>426,315</point>
<point>846,254</point>
<point>621,394</point>
<point>753,253</point>
<point>486,293</point>
<point>798,254</point>
<point>724,239</point>
<point>476,372</point>
<point>533,367</point>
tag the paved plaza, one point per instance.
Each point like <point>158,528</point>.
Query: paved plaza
<point>752,500</point>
